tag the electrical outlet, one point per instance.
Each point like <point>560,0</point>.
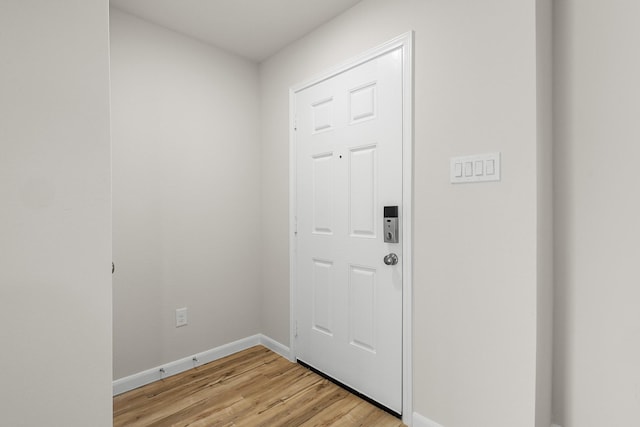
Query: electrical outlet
<point>181,317</point>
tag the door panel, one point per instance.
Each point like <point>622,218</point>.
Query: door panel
<point>363,176</point>
<point>322,193</point>
<point>349,166</point>
<point>362,308</point>
<point>322,283</point>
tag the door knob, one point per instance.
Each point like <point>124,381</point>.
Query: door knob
<point>391,259</point>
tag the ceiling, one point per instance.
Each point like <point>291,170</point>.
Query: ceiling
<point>254,29</point>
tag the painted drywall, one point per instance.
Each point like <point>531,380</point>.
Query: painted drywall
<point>55,214</point>
<point>597,105</point>
<point>186,195</point>
<point>476,272</point>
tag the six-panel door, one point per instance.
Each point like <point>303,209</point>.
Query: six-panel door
<point>348,167</point>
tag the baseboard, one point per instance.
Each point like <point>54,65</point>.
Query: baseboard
<point>275,346</point>
<point>131,382</point>
<point>422,421</point>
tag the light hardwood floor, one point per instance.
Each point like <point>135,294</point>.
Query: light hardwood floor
<point>255,387</point>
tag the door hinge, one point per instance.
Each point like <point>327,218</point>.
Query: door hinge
<point>295,123</point>
<point>295,226</point>
<point>295,331</point>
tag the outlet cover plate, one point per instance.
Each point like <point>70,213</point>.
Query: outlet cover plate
<point>181,317</point>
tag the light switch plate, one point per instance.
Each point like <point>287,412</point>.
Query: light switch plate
<point>477,168</point>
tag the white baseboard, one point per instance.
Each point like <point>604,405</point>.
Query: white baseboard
<point>422,421</point>
<point>131,382</point>
<point>275,346</point>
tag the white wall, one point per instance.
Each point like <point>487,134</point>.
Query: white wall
<point>477,271</point>
<point>186,185</point>
<point>55,214</point>
<point>597,104</point>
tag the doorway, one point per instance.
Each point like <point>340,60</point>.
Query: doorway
<point>351,149</point>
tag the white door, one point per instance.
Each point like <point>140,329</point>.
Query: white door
<point>348,143</point>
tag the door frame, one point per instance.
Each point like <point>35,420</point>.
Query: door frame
<point>405,43</point>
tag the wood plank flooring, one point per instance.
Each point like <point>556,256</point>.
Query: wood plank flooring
<point>255,387</point>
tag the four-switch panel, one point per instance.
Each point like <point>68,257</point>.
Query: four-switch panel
<point>476,168</point>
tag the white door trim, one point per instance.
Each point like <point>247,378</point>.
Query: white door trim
<point>404,42</point>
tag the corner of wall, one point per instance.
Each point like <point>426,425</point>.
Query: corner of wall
<point>175,367</point>
<point>422,421</point>
<point>544,178</point>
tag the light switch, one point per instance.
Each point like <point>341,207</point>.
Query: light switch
<point>475,168</point>
<point>479,167</point>
<point>491,169</point>
<point>458,170</point>
<point>468,169</point>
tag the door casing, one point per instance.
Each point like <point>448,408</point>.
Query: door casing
<point>405,43</point>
